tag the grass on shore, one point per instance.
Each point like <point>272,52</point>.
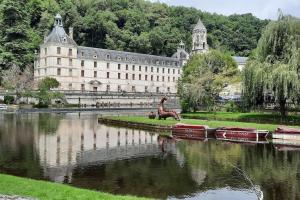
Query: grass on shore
<point>42,190</point>
<point>210,123</point>
<point>257,117</point>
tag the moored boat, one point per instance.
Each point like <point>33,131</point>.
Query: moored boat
<point>188,131</point>
<point>235,132</point>
<point>3,107</point>
<point>286,133</point>
<point>286,145</point>
<point>245,141</point>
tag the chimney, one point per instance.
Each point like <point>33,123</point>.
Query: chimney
<point>71,32</point>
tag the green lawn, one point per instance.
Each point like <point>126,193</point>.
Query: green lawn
<point>210,123</point>
<point>257,117</point>
<point>11,185</point>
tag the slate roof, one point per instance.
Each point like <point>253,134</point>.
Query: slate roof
<point>123,56</point>
<point>181,54</point>
<point>58,34</point>
<point>199,25</point>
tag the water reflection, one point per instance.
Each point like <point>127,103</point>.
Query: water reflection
<point>75,149</point>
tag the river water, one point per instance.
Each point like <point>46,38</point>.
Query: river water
<point>74,149</point>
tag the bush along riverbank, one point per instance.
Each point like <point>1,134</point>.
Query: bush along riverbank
<point>42,190</point>
<point>255,117</point>
<point>138,121</point>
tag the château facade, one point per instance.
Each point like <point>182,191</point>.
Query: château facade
<point>94,69</point>
<point>79,68</point>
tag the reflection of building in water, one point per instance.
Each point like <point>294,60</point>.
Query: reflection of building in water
<point>79,143</point>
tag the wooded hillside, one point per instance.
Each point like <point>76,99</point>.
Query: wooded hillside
<point>129,25</point>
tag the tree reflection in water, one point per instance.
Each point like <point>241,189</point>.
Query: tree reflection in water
<point>76,150</point>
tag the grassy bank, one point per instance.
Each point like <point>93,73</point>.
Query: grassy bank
<point>210,123</point>
<point>11,185</point>
<point>267,117</point>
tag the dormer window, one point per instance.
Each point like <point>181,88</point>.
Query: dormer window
<point>95,55</point>
<point>82,54</point>
<point>64,39</point>
<point>108,57</point>
<point>119,58</point>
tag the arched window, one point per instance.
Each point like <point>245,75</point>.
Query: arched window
<point>108,57</point>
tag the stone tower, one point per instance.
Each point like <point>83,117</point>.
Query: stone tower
<point>199,38</point>
<point>58,57</point>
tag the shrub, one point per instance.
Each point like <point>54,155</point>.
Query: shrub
<point>9,99</point>
<point>41,105</point>
<point>231,106</point>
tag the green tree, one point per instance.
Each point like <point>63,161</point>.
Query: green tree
<point>204,76</point>
<point>45,95</point>
<point>128,25</point>
<point>48,83</point>
<point>15,39</point>
<point>274,69</point>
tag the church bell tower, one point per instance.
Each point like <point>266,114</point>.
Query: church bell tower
<point>199,38</point>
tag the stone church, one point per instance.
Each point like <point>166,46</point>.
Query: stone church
<point>79,68</point>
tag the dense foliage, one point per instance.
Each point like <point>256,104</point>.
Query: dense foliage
<point>129,25</point>
<point>204,76</point>
<point>273,73</point>
<point>44,94</point>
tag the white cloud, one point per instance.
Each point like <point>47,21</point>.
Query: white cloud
<point>264,9</point>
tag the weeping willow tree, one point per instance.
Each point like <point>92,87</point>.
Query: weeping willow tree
<point>273,71</point>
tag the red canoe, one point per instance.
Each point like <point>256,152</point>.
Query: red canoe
<point>234,132</point>
<point>188,131</point>
<point>245,141</point>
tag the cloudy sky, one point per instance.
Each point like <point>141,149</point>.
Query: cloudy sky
<point>264,9</point>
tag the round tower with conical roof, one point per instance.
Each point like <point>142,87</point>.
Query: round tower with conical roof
<point>199,38</point>
<point>57,57</point>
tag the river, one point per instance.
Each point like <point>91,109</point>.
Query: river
<point>74,149</point>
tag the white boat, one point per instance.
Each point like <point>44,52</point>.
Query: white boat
<point>286,145</point>
<point>286,134</point>
<point>3,107</point>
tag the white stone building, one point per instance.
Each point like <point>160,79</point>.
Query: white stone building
<point>94,69</point>
<point>79,68</point>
